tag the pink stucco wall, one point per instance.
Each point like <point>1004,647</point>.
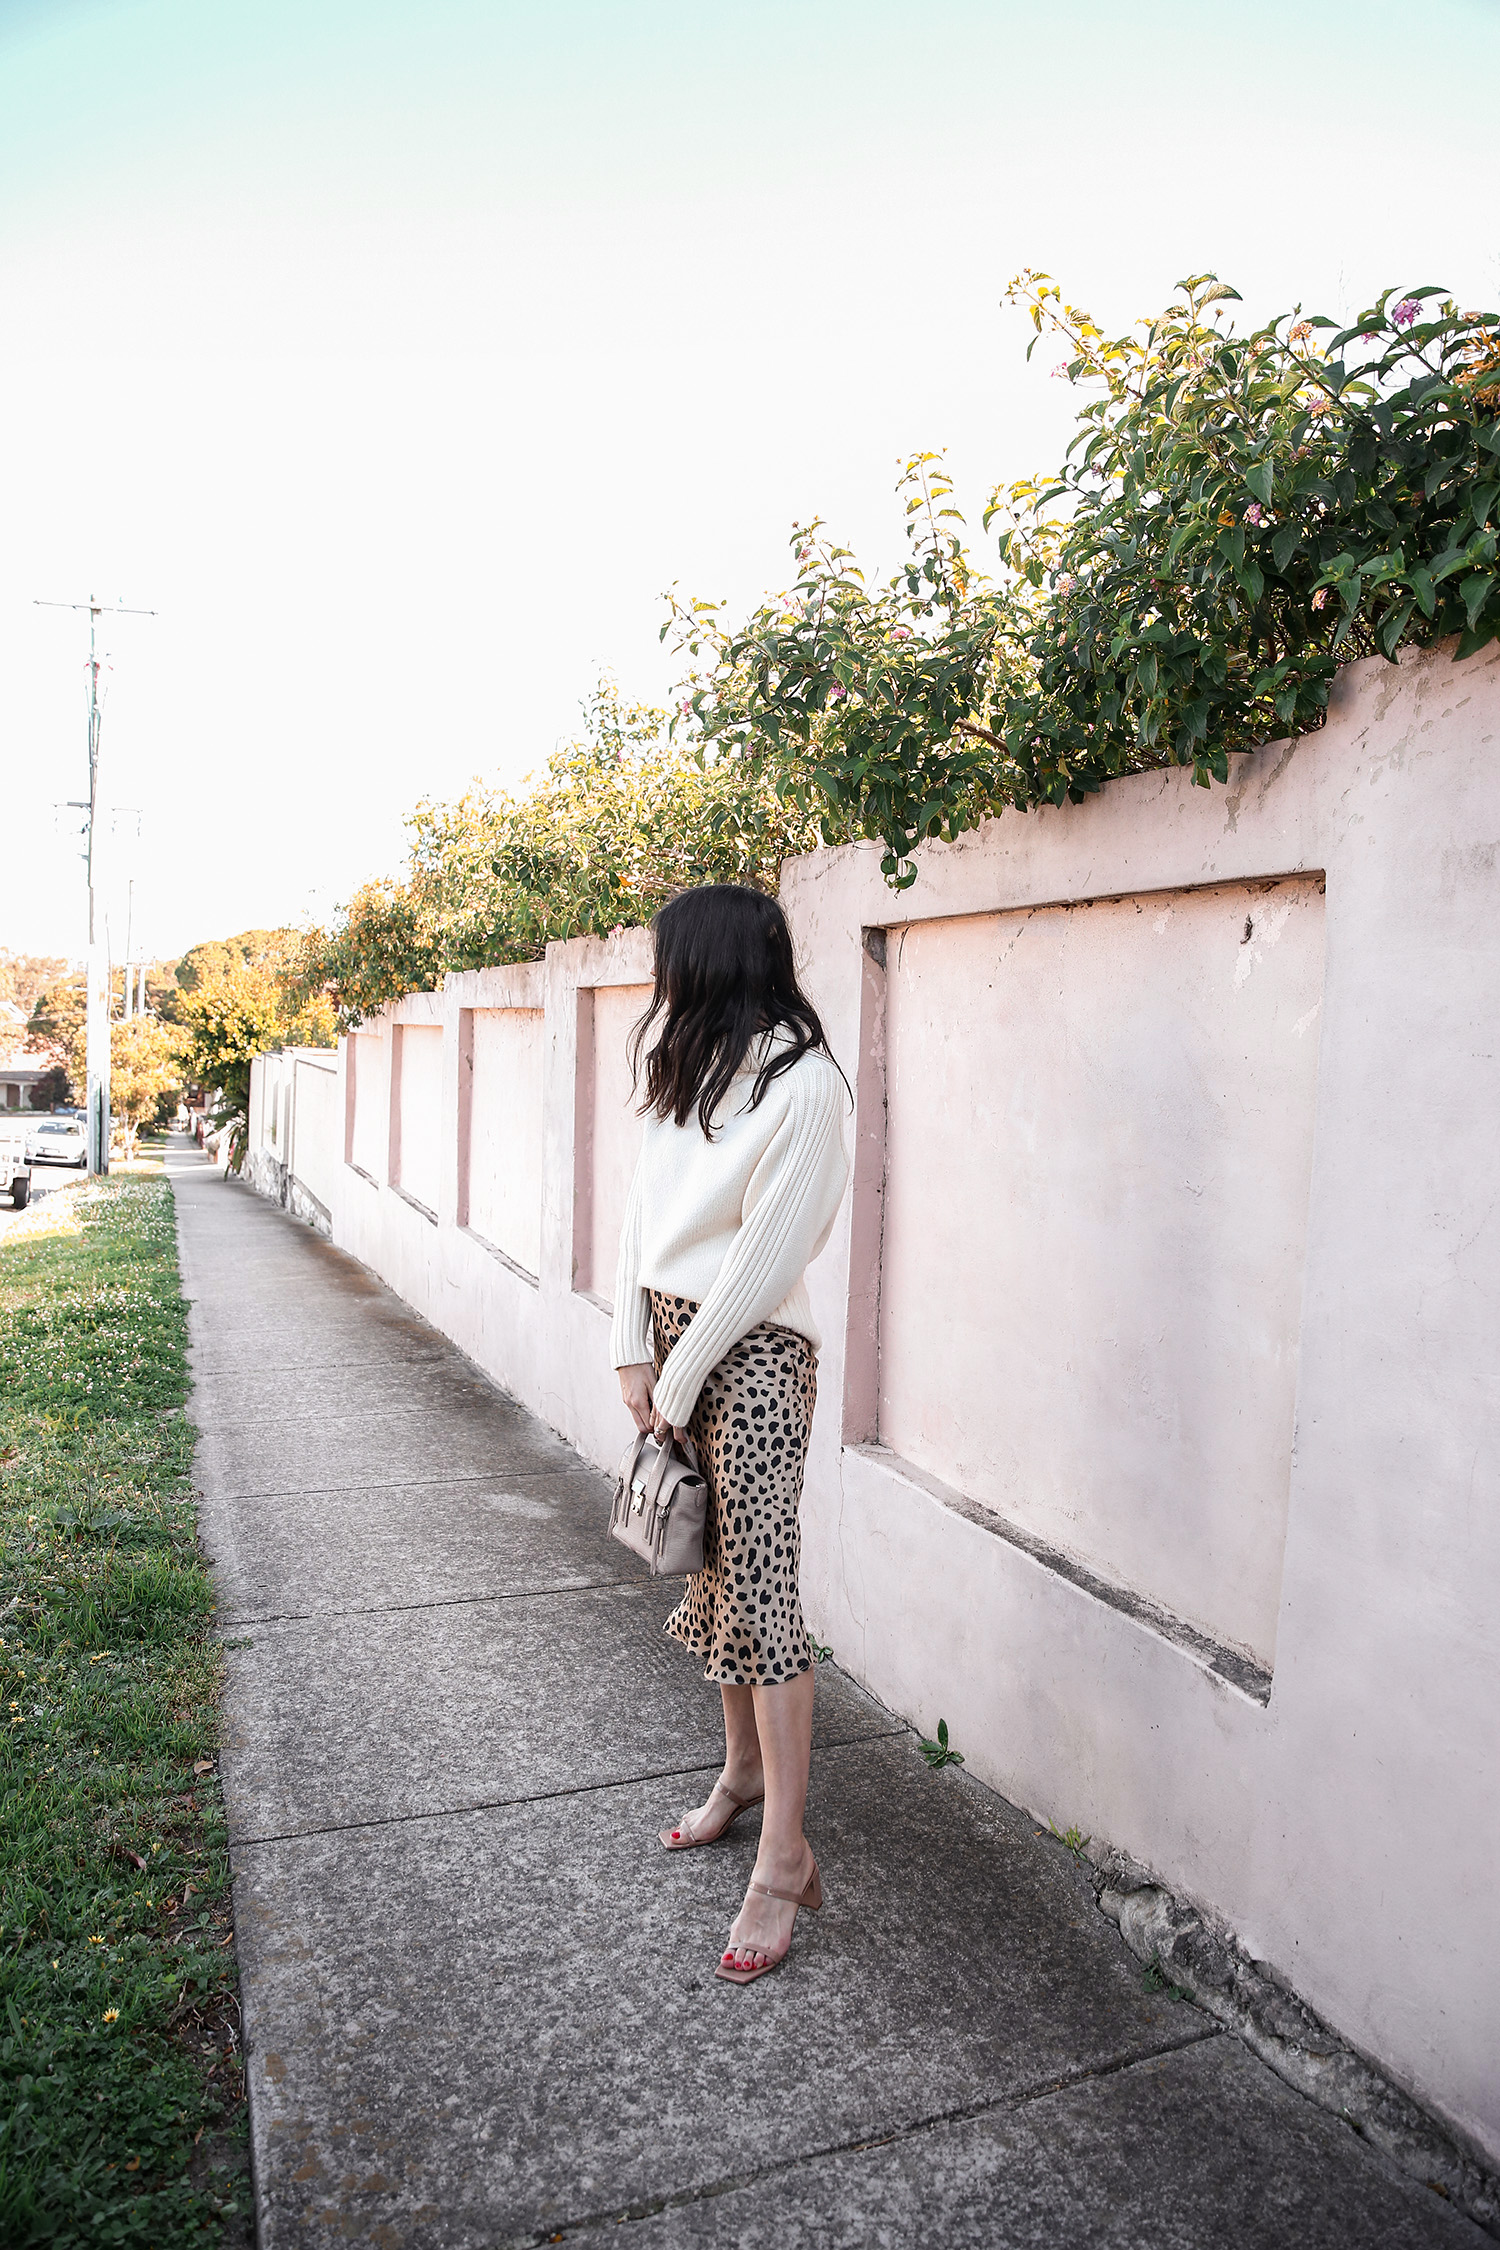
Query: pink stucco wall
<point>1156,1440</point>
<point>1094,1226</point>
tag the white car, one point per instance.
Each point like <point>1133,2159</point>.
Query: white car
<point>58,1140</point>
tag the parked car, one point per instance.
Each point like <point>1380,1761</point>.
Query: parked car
<point>59,1140</point>
<point>15,1163</point>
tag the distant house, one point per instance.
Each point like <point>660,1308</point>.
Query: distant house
<point>22,1068</point>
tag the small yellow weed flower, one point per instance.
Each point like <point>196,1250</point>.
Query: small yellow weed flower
<point>111,2015</point>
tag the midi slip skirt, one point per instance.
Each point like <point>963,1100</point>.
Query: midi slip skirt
<point>742,1612</point>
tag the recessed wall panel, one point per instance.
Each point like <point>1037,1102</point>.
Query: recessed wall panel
<point>608,1131</point>
<point>370,1131</point>
<point>419,1096</point>
<point>505,1132</point>
<point>1099,1144</point>
<point>314,1143</point>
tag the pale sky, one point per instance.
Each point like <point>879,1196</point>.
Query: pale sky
<point>399,355</point>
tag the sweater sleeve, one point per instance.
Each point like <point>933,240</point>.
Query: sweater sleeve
<point>793,1199</point>
<point>630,1329</point>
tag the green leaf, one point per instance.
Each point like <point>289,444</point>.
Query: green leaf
<point>1259,477</point>
<point>1476,591</point>
<point>1284,545</point>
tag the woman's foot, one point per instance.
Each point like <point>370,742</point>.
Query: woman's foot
<point>706,1823</point>
<point>761,1933</point>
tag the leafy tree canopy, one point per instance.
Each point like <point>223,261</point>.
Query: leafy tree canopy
<point>24,977</point>
<point>145,1072</point>
<point>241,1011</point>
<point>216,957</point>
<point>619,820</point>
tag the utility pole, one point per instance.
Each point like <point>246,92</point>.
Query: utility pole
<point>98,979</point>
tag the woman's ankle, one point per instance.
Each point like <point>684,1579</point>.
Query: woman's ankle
<point>781,1863</point>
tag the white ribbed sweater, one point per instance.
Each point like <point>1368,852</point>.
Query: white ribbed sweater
<point>732,1222</point>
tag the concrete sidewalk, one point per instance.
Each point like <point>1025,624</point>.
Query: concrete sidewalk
<point>479,2000</point>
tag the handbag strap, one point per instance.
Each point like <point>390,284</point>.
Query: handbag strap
<point>688,1452</point>
<point>642,1436</point>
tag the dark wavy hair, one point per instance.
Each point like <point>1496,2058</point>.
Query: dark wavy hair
<point>724,974</point>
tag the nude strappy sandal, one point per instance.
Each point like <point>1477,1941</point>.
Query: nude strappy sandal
<point>810,1895</point>
<point>684,1839</point>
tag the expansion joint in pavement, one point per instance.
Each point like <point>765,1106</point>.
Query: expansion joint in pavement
<point>531,1797</point>
<point>399,1484</point>
<point>446,1601</point>
<point>962,2113</point>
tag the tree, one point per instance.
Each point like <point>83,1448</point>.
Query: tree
<point>145,1073</point>
<point>618,821</point>
<point>231,1015</point>
<point>217,957</point>
<point>24,977</point>
<point>56,1029</point>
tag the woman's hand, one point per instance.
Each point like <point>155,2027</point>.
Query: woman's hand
<point>637,1385</point>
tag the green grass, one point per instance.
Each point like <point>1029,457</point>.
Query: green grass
<point>121,2086</point>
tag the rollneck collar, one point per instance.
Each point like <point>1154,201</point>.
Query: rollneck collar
<point>761,1048</point>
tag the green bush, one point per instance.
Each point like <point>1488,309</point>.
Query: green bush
<point>1236,517</point>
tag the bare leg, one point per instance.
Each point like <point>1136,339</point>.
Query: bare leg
<point>742,1763</point>
<point>783,1718</point>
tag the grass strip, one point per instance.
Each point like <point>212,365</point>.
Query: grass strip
<point>121,2084</point>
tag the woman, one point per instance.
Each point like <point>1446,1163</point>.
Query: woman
<point>741,1172</point>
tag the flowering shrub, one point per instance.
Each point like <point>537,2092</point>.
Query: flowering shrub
<point>866,706</point>
<point>1236,517</point>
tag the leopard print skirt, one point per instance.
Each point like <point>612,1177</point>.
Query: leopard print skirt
<point>742,1611</point>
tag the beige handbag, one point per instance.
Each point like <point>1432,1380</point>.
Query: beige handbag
<point>661,1505</point>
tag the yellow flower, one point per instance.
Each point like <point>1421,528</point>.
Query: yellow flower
<point>111,2015</point>
<point>96,1941</point>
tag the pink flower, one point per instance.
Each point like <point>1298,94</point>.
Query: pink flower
<point>1406,312</point>
<point>900,632</point>
<point>1066,583</point>
<point>834,694</point>
<point>685,710</point>
<point>1060,372</point>
<point>1255,513</point>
